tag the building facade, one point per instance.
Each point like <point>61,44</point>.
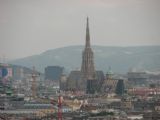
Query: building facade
<point>53,73</point>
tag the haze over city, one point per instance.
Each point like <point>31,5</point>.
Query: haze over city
<point>79,60</point>
<point>34,26</point>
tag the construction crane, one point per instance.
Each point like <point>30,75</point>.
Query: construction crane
<point>59,107</point>
<point>59,104</point>
<point>34,89</point>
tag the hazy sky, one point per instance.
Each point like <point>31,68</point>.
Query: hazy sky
<point>30,27</point>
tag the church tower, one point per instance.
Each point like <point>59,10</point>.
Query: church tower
<point>87,68</point>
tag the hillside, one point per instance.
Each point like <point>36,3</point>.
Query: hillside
<point>121,59</point>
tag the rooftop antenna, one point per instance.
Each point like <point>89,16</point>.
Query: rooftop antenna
<point>4,59</point>
<point>1,59</point>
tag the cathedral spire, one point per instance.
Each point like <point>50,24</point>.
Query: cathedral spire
<point>87,34</point>
<point>87,67</point>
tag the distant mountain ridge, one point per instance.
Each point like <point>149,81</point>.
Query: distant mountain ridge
<point>120,59</point>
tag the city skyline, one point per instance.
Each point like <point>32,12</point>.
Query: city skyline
<point>32,27</point>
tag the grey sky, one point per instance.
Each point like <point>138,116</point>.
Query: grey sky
<point>30,27</point>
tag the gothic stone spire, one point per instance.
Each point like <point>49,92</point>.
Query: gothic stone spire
<point>87,34</point>
<point>87,68</point>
